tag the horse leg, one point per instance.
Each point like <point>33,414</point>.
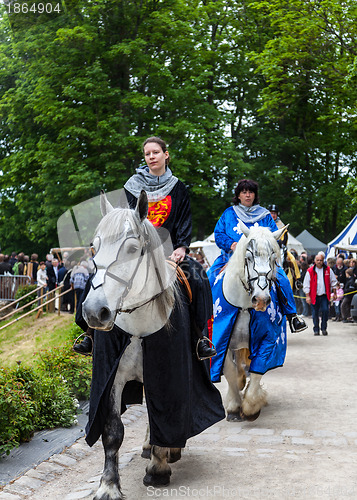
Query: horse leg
<point>235,375</point>
<point>146,453</point>
<point>112,438</point>
<point>255,398</point>
<point>174,455</point>
<point>130,368</point>
<point>158,471</point>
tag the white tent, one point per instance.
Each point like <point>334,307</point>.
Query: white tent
<point>208,247</point>
<point>346,240</point>
<point>295,244</point>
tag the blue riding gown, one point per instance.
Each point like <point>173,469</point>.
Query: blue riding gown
<point>267,336</point>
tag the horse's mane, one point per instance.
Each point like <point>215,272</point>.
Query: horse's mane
<point>111,225</point>
<point>265,242</point>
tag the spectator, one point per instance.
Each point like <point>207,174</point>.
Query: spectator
<point>79,278</point>
<point>5,267</point>
<point>5,281</point>
<point>340,270</point>
<point>49,258</point>
<point>32,268</point>
<point>19,265</point>
<point>349,288</point>
<point>41,278</point>
<point>52,280</point>
<point>13,259</point>
<point>318,282</point>
<point>52,274</point>
<point>337,299</point>
<point>331,262</point>
<point>64,275</point>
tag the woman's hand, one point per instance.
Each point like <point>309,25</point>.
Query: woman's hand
<point>178,255</point>
<point>233,246</point>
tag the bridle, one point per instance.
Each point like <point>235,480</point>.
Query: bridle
<point>145,249</point>
<point>262,283</point>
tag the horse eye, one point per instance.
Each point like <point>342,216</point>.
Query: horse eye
<point>133,248</point>
<point>95,245</point>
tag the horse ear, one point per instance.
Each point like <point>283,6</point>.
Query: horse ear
<point>105,206</point>
<point>142,206</point>
<point>279,232</point>
<point>244,228</point>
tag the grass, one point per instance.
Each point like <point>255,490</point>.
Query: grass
<point>22,340</point>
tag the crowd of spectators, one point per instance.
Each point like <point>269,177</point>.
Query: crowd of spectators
<point>73,275</point>
<point>50,274</point>
<point>345,270</point>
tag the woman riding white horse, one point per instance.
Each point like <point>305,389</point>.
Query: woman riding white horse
<point>169,208</point>
<point>145,317</point>
<point>228,233</point>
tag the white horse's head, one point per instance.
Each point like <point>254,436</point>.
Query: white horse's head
<point>256,256</point>
<point>130,266</point>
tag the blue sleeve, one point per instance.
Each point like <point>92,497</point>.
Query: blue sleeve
<point>223,241</point>
<point>270,223</point>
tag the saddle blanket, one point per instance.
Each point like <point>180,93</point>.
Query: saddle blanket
<point>267,332</point>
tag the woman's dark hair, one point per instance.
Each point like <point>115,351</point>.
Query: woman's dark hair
<point>246,185</point>
<point>158,141</point>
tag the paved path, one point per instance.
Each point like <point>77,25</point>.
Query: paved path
<point>303,446</point>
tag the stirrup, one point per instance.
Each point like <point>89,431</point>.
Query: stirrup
<point>84,334</point>
<point>211,345</point>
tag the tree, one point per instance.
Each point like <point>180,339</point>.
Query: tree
<point>258,89</point>
<point>308,103</point>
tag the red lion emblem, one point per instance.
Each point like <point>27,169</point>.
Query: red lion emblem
<point>159,211</point>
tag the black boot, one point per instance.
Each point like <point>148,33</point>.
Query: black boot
<point>296,323</point>
<point>86,346</point>
<point>205,349</point>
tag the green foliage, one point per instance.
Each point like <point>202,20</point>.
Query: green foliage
<point>44,395</point>
<point>30,402</point>
<point>23,290</point>
<point>75,370</point>
<point>17,411</point>
<point>260,89</point>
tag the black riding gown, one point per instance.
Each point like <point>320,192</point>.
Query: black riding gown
<point>180,397</point>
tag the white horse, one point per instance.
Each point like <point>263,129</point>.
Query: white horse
<point>136,290</point>
<point>246,284</point>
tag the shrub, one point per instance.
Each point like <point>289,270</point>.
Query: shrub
<point>31,401</point>
<point>56,405</point>
<point>75,369</point>
<point>23,290</point>
<point>17,412</point>
<point>43,396</point>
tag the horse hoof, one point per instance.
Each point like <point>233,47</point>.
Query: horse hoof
<point>251,418</point>
<point>235,417</point>
<point>174,456</point>
<point>146,453</point>
<point>156,479</point>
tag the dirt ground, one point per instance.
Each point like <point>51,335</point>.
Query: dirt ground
<point>303,445</point>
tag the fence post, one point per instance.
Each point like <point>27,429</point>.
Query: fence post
<point>40,311</point>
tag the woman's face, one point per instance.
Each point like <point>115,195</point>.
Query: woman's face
<point>246,198</point>
<point>155,158</point>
